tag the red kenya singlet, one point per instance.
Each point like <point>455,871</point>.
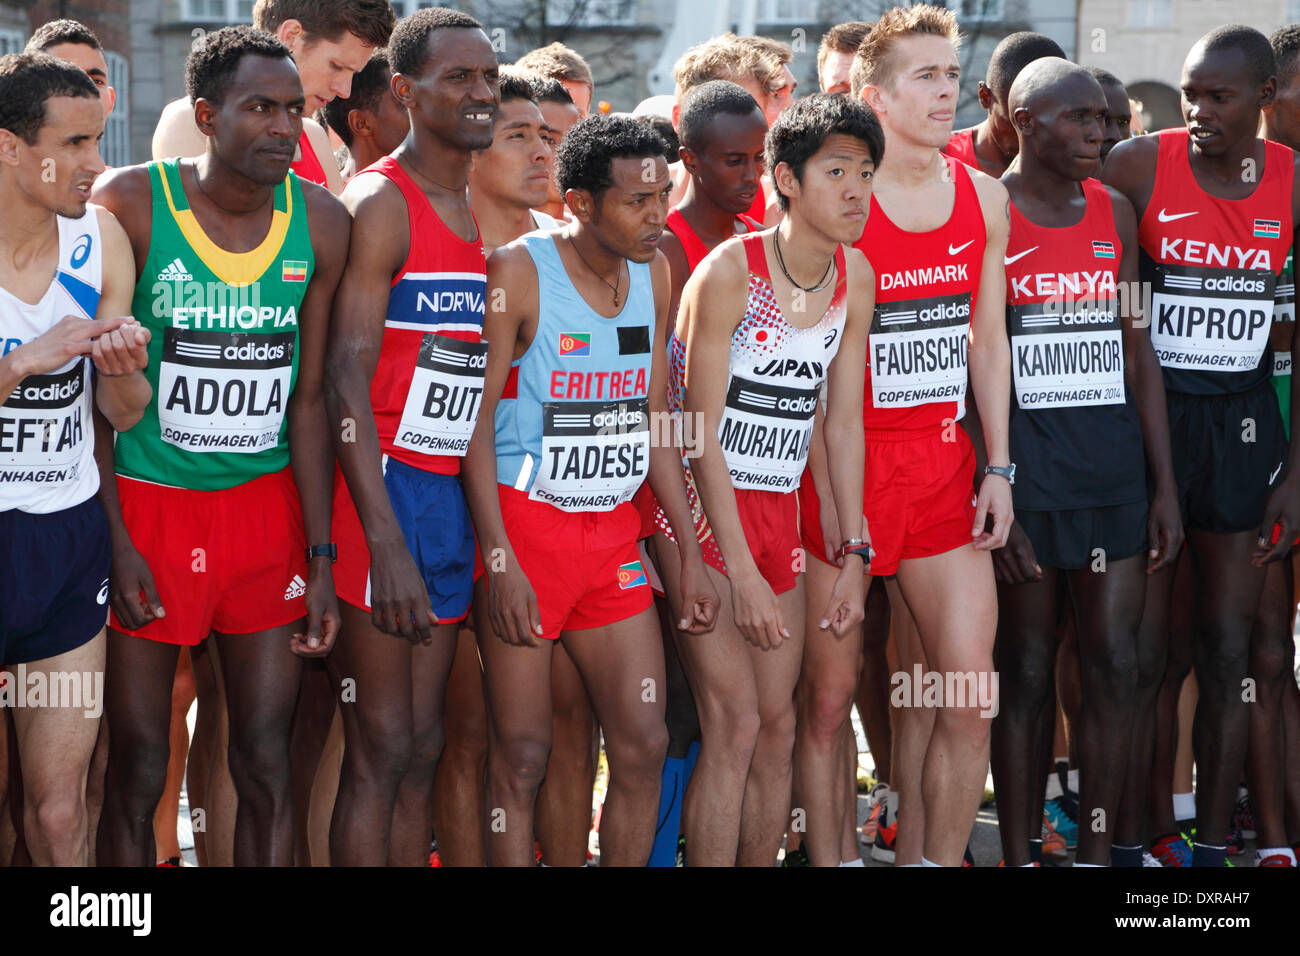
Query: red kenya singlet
<point>927,284</point>
<point>692,244</point>
<point>307,166</point>
<point>429,379</point>
<point>1212,265</point>
<point>961,145</point>
<point>1070,404</point>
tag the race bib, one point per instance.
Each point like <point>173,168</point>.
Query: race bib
<point>595,455</point>
<point>44,425</point>
<point>1211,320</point>
<point>918,351</point>
<point>224,391</point>
<point>765,433</point>
<point>1066,355</point>
<point>1281,364</point>
<point>443,401</point>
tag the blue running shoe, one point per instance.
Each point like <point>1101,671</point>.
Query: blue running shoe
<point>1063,815</point>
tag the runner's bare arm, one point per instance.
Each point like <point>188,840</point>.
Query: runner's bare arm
<point>990,363</point>
<point>713,306</point>
<point>121,390</point>
<point>1142,373</point>
<point>376,250</point>
<point>176,133</point>
<point>679,270</point>
<point>311,448</point>
<point>819,472</point>
<point>508,326</point>
<point>320,144</point>
<point>699,599</point>
<point>1131,168</point>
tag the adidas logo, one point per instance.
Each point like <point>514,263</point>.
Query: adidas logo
<point>175,272</point>
<point>297,588</point>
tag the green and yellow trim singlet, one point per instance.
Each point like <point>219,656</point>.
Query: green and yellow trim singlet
<point>223,359</point>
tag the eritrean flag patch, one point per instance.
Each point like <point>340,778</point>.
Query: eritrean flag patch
<point>631,575</point>
<point>575,343</point>
<point>1268,228</point>
<point>293,270</point>
<point>1103,250</point>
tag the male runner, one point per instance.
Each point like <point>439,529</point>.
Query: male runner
<point>1118,112</point>
<point>369,121</point>
<point>990,146</point>
<point>936,241</point>
<point>511,178</point>
<point>722,130</point>
<point>835,54</point>
<point>752,377</point>
<point>64,296</point>
<point>1087,388</point>
<point>406,367</point>
<point>238,263</point>
<point>329,43</point>
<point>1217,210</point>
<point>559,115</point>
<point>576,374</point>
<point>558,62</point>
<point>75,42</point>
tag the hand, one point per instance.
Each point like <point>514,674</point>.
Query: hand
<point>132,593</point>
<point>1164,530</point>
<point>122,351</point>
<point>1015,563</point>
<point>323,618</point>
<point>829,520</point>
<point>699,598</point>
<point>399,600</point>
<point>845,609</point>
<point>994,499</point>
<point>512,605</point>
<point>1281,518</point>
<point>756,611</point>
<point>65,340</point>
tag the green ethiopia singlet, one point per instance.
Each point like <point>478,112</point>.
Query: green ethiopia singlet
<point>223,359</point>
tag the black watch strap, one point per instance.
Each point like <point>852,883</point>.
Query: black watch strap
<point>330,551</point>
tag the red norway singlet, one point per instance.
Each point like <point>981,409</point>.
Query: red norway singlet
<point>307,166</point>
<point>1069,400</point>
<point>961,145</point>
<point>428,382</point>
<point>927,284</point>
<point>1212,265</point>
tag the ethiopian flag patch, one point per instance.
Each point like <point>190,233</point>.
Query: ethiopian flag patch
<point>293,270</point>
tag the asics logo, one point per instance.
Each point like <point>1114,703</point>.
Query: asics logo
<point>953,250</point>
<point>175,272</point>
<point>102,596</point>
<point>1007,260</point>
<point>1170,217</point>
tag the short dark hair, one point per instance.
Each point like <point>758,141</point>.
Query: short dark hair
<point>371,21</point>
<point>1105,77</point>
<point>517,85</point>
<point>702,103</point>
<point>1253,46</point>
<point>549,90</point>
<point>801,129</point>
<point>57,32</point>
<point>1013,54</point>
<point>585,157</point>
<point>27,80</point>
<point>664,127</point>
<point>211,66</point>
<point>841,38</point>
<point>1286,45</point>
<point>408,47</point>
<point>368,84</point>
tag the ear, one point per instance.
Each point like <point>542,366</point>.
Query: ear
<point>400,84</point>
<point>290,33</point>
<point>1023,121</point>
<point>8,148</point>
<point>205,116</point>
<point>581,204</point>
<point>985,96</point>
<point>112,100</point>
<point>677,116</point>
<point>359,123</point>
<point>1268,91</point>
<point>872,96</point>
<point>784,179</point>
<point>688,158</point>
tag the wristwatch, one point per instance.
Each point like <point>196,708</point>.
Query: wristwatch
<point>859,547</point>
<point>1006,471</point>
<point>330,551</point>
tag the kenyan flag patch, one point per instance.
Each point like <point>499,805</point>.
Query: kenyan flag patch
<point>1103,250</point>
<point>1268,228</point>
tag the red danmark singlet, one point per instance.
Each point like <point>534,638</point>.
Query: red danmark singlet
<point>428,382</point>
<point>961,145</point>
<point>927,284</point>
<point>307,166</point>
<point>1212,265</point>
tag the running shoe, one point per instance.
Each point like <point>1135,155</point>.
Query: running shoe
<point>1236,841</point>
<point>681,851</point>
<point>966,858</point>
<point>1149,860</point>
<point>1243,817</point>
<point>797,857</point>
<point>1063,814</point>
<point>882,851</point>
<point>875,800</point>
<point>1172,850</point>
<point>176,861</point>
<point>1277,859</point>
<point>1004,863</point>
<point>1054,845</point>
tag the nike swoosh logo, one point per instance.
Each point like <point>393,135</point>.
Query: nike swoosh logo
<point>1276,472</point>
<point>953,250</point>
<point>1163,217</point>
<point>1007,260</point>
